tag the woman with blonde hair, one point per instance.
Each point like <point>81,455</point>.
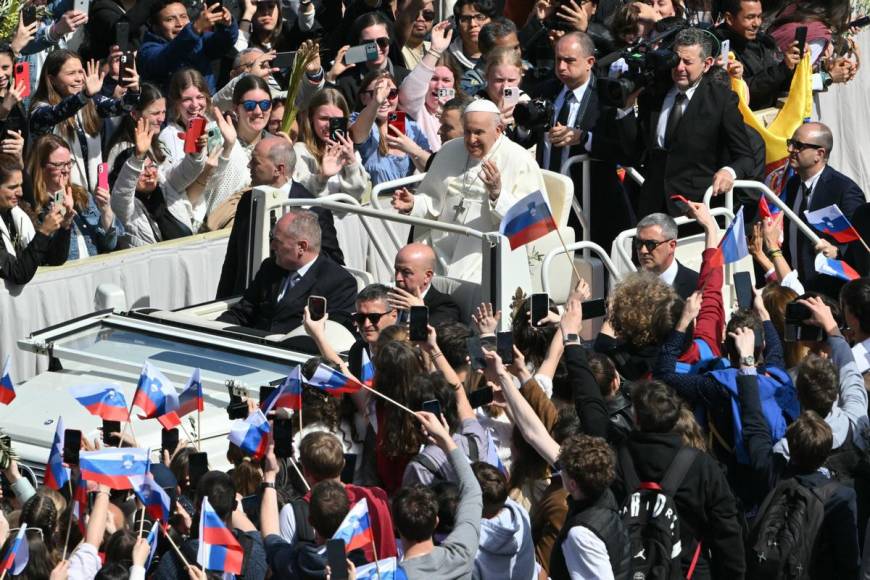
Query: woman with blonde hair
<point>503,72</point>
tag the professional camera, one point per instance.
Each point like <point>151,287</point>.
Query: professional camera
<point>534,114</point>
<point>643,67</point>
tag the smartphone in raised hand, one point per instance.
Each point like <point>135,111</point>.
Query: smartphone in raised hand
<point>72,445</point>
<point>337,559</point>
<point>540,308</point>
<point>316,307</point>
<point>418,325</point>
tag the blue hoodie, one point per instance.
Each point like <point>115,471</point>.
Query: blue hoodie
<point>506,550</point>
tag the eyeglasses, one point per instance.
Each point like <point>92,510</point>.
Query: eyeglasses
<point>359,318</point>
<point>392,95</point>
<point>60,166</point>
<point>467,18</point>
<point>650,245</point>
<point>265,105</point>
<point>383,42</point>
<point>428,15</point>
<point>800,146</point>
<point>34,530</point>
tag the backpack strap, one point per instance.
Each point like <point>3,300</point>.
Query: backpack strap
<point>677,470</point>
<point>629,473</point>
<point>426,461</point>
<point>304,530</point>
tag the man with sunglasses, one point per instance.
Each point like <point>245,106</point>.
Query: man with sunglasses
<point>373,314</point>
<point>815,185</point>
<point>416,26</point>
<point>655,244</point>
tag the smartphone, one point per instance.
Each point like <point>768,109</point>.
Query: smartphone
<point>72,444</point>
<point>266,392</point>
<point>418,326</point>
<point>195,129</point>
<point>283,438</point>
<point>681,203</point>
<point>21,76</point>
<point>540,307</point>
<point>169,440</point>
<point>361,53</point>
<point>859,23</point>
<point>511,96</point>
<point>504,346</point>
<point>28,14</point>
<point>103,175</point>
<point>337,126</point>
<point>317,307</point>
<point>397,120</point>
<point>795,330</point>
<point>432,406</point>
<point>480,397</point>
<point>349,468</point>
<point>800,35</point>
<point>197,467</point>
<point>725,53</point>
<point>283,60</point>
<point>110,427</point>
<point>743,286</point>
<point>57,199</point>
<point>337,559</point>
<point>445,95</point>
<point>475,353</point>
<point>797,312</point>
<point>82,6</point>
<point>238,408</point>
<point>215,139</point>
<point>122,35</point>
<point>125,71</point>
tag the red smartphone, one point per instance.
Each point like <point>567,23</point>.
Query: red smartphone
<point>195,129</point>
<point>103,175</point>
<point>681,202</point>
<point>397,120</point>
<point>21,74</point>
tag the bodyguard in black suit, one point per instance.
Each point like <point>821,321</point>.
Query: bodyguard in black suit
<point>415,267</point>
<point>275,299</point>
<point>272,163</point>
<point>682,132</point>
<point>814,186</point>
<point>655,245</point>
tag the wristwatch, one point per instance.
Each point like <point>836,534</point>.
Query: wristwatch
<point>266,485</point>
<point>571,338</point>
<point>747,361</point>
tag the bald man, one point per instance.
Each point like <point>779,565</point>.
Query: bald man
<point>415,268</point>
<point>815,185</point>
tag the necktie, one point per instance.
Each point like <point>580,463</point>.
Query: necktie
<point>674,118</point>
<point>800,204</point>
<point>561,119</point>
<point>289,282</point>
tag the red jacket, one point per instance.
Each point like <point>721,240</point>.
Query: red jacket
<point>710,323</point>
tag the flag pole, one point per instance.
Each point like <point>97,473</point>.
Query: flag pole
<point>198,426</point>
<point>142,522</point>
<point>175,547</point>
<point>69,520</point>
<point>383,396</point>
<point>299,473</point>
<point>375,552</point>
<point>568,255</point>
<point>186,434</point>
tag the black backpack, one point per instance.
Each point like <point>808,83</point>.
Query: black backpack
<point>650,517</point>
<point>782,541</point>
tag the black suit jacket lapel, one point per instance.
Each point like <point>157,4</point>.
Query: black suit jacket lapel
<point>693,109</point>
<point>821,197</point>
<point>302,287</point>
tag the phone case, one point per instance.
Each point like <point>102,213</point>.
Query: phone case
<point>103,175</point>
<point>21,74</point>
<point>194,130</point>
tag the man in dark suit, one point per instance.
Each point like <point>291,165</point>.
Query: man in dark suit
<point>276,298</point>
<point>815,185</point>
<point>415,267</point>
<point>681,133</point>
<point>575,113</point>
<point>272,163</point>
<point>655,244</point>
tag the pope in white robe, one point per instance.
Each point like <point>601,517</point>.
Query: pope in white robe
<point>472,182</point>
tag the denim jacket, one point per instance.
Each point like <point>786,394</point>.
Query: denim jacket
<point>97,239</point>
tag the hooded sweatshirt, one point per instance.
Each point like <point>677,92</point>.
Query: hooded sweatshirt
<point>506,550</point>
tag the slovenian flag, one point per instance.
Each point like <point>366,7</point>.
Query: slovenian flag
<point>114,466</point>
<point>288,395</point>
<point>7,389</point>
<point>356,527</point>
<point>218,548</point>
<point>80,504</point>
<point>251,434</point>
<point>56,475</point>
<point>153,497</point>
<point>835,268</point>
<point>190,399</point>
<point>367,369</point>
<point>765,210</point>
<point>830,220</point>
<point>733,246</point>
<point>333,382</point>
<point>386,569</point>
<point>152,544</point>
<point>156,395</point>
<point>104,401</point>
<point>16,557</point>
<point>527,220</point>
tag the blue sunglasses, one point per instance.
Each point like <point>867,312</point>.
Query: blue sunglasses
<point>265,105</point>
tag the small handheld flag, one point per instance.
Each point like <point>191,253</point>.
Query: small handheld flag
<point>104,401</point>
<point>56,475</point>
<point>16,557</point>
<point>386,569</point>
<point>7,389</point>
<point>831,221</point>
<point>333,382</point>
<point>190,399</point>
<point>835,268</point>
<point>80,503</point>
<point>527,220</point>
<point>156,395</point>
<point>251,434</point>
<point>367,369</point>
<point>218,548</point>
<point>152,543</point>
<point>356,527</point>
<point>153,497</point>
<point>114,466</point>
<point>288,395</point>
<point>733,246</point>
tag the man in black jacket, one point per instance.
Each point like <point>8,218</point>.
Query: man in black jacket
<point>415,268</point>
<point>272,163</point>
<point>655,244</point>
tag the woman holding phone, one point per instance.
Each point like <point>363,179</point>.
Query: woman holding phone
<point>13,116</point>
<point>388,149</point>
<point>504,71</point>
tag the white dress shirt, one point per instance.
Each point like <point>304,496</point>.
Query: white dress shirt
<point>810,185</point>
<point>573,109</point>
<point>670,274</point>
<point>290,275</point>
<point>667,106</point>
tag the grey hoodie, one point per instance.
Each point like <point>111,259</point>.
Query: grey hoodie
<point>506,550</point>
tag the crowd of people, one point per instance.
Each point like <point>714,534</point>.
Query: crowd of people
<point>682,441</point>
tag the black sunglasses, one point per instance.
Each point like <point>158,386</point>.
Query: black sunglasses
<point>382,42</point>
<point>374,317</point>
<point>428,15</point>
<point>800,145</point>
<point>650,245</point>
<point>392,95</point>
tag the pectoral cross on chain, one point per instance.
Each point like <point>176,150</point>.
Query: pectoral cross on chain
<point>459,208</point>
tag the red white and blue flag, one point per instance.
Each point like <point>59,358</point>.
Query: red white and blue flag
<point>835,268</point>
<point>7,389</point>
<point>218,548</point>
<point>114,466</point>
<point>733,246</point>
<point>190,399</point>
<point>251,434</point>
<point>152,544</point>
<point>288,395</point>
<point>104,401</point>
<point>386,569</point>
<point>830,220</point>
<point>56,475</point>
<point>153,497</point>
<point>367,369</point>
<point>16,557</point>
<point>356,528</point>
<point>80,503</point>
<point>765,210</point>
<point>333,382</point>
<point>156,395</point>
<point>527,220</point>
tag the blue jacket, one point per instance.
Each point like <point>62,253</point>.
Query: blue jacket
<point>97,239</point>
<point>159,58</point>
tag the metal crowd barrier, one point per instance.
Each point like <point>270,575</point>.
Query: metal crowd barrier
<point>586,246</point>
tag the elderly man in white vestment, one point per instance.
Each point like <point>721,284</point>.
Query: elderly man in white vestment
<point>472,182</point>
